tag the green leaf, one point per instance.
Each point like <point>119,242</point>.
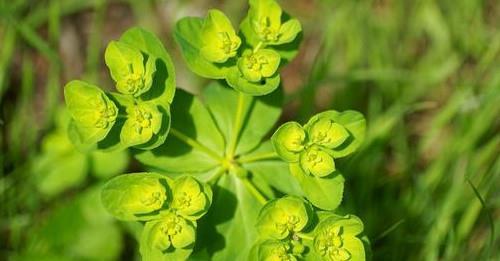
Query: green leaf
<point>219,40</point>
<point>91,110</point>
<point>57,173</point>
<point>168,238</point>
<point>352,121</point>
<point>66,232</point>
<point>258,114</point>
<point>270,170</point>
<point>325,193</point>
<point>188,35</point>
<point>233,214</point>
<point>289,140</point>
<point>131,71</point>
<point>163,86</point>
<point>192,142</point>
<point>108,164</point>
<point>134,196</point>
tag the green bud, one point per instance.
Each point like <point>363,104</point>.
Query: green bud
<point>143,120</point>
<point>189,198</point>
<point>336,239</point>
<point>128,69</point>
<point>289,140</point>
<point>297,248</point>
<point>130,195</point>
<point>281,217</point>
<point>317,162</point>
<point>327,133</point>
<point>257,65</point>
<point>91,110</point>
<point>272,250</point>
<point>169,231</point>
<point>220,41</point>
<point>265,19</point>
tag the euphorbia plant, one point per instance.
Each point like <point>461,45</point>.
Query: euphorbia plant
<point>273,198</point>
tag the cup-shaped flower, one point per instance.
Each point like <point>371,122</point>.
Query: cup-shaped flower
<point>257,65</point>
<point>289,140</point>
<point>190,198</point>
<point>341,133</point>
<point>336,239</point>
<point>219,39</point>
<point>275,250</point>
<point>169,231</point>
<point>91,110</point>
<point>327,133</point>
<point>266,20</point>
<point>282,217</point>
<point>143,120</point>
<point>317,162</point>
<point>129,196</point>
<point>131,69</point>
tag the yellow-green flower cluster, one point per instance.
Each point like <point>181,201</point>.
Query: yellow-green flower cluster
<point>248,59</point>
<point>311,145</point>
<point>278,224</point>
<point>133,117</point>
<point>169,207</point>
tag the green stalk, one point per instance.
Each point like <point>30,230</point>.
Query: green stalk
<point>254,191</point>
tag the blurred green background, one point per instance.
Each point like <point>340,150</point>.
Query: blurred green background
<point>425,73</point>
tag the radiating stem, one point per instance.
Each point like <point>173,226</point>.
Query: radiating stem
<point>195,144</point>
<point>238,122</point>
<point>254,191</point>
<point>258,157</point>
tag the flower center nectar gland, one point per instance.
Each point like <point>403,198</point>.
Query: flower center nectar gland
<point>255,63</point>
<point>153,199</point>
<point>184,200</point>
<point>227,45</point>
<point>142,120</point>
<point>170,226</point>
<point>105,113</point>
<point>267,33</point>
<point>330,244</point>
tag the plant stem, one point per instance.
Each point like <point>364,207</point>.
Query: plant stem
<point>216,176</point>
<point>259,45</point>
<point>304,236</point>
<point>238,121</point>
<point>254,191</point>
<point>195,144</point>
<point>258,157</point>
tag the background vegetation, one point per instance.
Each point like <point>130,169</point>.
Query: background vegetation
<point>425,73</point>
